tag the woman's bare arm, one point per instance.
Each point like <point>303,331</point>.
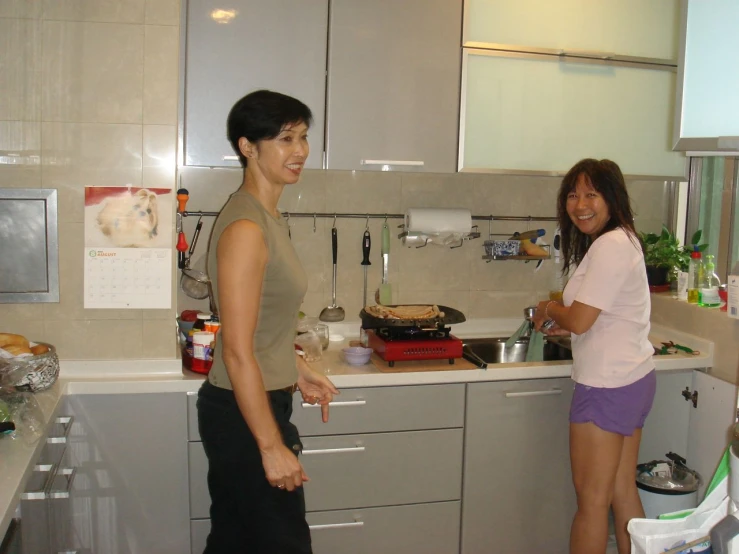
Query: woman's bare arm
<point>242,258</point>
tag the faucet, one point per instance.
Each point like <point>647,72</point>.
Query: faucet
<point>528,314</point>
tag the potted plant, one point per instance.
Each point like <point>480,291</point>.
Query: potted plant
<point>664,256</point>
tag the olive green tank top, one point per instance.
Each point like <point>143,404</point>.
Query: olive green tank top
<point>283,288</point>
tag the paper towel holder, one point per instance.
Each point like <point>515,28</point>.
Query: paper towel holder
<point>473,234</point>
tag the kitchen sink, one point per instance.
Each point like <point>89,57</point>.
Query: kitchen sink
<point>493,351</point>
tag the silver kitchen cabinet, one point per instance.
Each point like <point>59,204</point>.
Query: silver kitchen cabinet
<point>385,471</point>
<point>130,493</point>
<point>518,494</point>
<point>232,50</point>
<point>393,85</point>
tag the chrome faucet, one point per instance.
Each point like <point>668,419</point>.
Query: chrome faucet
<point>528,314</point>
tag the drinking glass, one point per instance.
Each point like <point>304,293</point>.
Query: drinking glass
<point>321,329</point>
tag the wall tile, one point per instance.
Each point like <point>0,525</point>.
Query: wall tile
<point>71,282</point>
<point>159,339</point>
<point>421,190</point>
<point>92,72</point>
<point>648,199</point>
<point>364,191</point>
<point>308,195</point>
<point>114,339</point>
<point>161,60</point>
<point>162,12</point>
<point>109,11</point>
<point>20,154</point>
<point>20,9</point>
<point>435,268</point>
<point>209,188</point>
<point>20,78</point>
<point>499,304</point>
<point>76,155</point>
<point>159,156</point>
<point>13,313</point>
<point>459,300</point>
<point>32,329</point>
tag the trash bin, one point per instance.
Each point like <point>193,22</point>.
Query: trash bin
<point>667,486</point>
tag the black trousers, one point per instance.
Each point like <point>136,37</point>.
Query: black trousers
<point>247,514</point>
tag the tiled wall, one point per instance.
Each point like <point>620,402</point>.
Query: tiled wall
<point>88,96</point>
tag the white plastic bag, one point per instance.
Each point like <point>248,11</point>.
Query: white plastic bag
<point>655,536</point>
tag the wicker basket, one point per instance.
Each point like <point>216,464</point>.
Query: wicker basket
<point>33,374</point>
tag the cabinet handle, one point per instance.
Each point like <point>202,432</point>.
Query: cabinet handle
<point>553,392</point>
<point>65,421</point>
<point>40,494</point>
<point>334,450</point>
<point>230,158</point>
<point>334,404</point>
<point>416,163</point>
<point>65,492</point>
<point>336,525</point>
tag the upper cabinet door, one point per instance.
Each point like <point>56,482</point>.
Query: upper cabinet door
<point>248,45</point>
<point>623,27</point>
<point>393,84</point>
<point>707,118</point>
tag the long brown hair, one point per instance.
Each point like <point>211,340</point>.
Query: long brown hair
<point>607,179</point>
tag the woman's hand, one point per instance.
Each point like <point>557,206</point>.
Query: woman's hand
<point>315,387</point>
<point>282,468</point>
<point>540,316</point>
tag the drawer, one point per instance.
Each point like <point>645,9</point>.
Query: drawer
<point>382,469</point>
<point>371,410</point>
<point>428,528</point>
<point>353,471</point>
<point>382,409</point>
<point>192,417</point>
<point>199,529</point>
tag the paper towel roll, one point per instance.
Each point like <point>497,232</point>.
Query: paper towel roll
<point>438,220</point>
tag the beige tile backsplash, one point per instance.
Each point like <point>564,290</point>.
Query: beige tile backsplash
<point>89,91</point>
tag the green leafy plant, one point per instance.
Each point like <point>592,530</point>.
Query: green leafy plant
<point>664,250</point>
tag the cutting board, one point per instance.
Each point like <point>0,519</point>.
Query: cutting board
<point>421,365</point>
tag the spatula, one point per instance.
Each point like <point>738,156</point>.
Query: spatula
<point>385,292</point>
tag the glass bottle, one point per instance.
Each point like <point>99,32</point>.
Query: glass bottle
<point>695,276</point>
<point>709,286</point>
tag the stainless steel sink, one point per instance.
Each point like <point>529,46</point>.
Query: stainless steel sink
<point>493,351</point>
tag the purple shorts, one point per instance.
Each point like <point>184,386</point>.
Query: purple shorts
<point>619,410</point>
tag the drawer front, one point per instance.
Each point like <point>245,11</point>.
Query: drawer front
<point>382,409</point>
<point>428,528</point>
<point>363,470</point>
<point>198,469</point>
<point>192,417</point>
<point>199,529</point>
<point>382,469</point>
<point>371,410</point>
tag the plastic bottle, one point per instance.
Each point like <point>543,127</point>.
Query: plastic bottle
<point>695,276</point>
<point>199,325</point>
<point>709,286</point>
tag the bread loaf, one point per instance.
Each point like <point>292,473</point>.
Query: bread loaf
<point>17,350</point>
<point>9,339</point>
<point>39,349</point>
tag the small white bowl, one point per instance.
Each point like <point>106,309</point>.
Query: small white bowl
<point>357,355</point>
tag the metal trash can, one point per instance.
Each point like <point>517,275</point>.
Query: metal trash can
<point>667,486</point>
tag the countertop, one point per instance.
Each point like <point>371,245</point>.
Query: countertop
<point>17,454</point>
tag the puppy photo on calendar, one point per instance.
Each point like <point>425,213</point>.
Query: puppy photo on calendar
<point>127,218</point>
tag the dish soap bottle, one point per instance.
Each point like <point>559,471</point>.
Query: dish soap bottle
<point>695,276</point>
<point>709,287</point>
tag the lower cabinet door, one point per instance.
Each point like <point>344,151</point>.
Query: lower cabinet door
<point>199,529</point>
<point>427,528</point>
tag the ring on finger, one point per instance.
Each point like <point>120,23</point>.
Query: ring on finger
<point>280,486</point>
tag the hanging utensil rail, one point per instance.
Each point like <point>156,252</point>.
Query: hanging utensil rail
<point>332,215</point>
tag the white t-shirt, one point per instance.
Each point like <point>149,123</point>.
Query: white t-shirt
<point>615,351</point>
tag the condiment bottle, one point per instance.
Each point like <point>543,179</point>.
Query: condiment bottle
<point>199,325</point>
<point>695,276</point>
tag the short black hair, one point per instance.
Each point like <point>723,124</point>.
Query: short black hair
<point>605,176</point>
<point>262,115</point>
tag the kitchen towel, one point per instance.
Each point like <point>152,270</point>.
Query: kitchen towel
<point>438,221</point>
